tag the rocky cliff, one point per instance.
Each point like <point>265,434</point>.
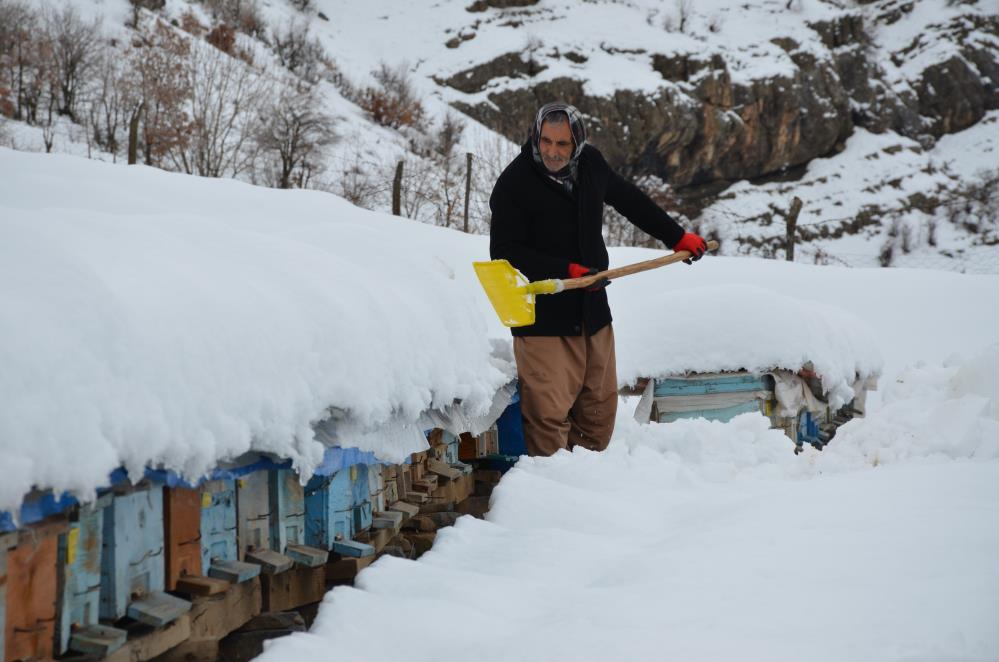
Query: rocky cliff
<point>887,65</point>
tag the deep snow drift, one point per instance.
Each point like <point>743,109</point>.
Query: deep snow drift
<point>701,540</point>
<point>150,318</point>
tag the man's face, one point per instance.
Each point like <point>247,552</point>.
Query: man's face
<point>555,145</point>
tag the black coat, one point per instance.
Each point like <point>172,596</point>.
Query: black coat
<point>540,228</point>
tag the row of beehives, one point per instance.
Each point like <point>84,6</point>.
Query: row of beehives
<point>68,578</point>
<point>793,401</point>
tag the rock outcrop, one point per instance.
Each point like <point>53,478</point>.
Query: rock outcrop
<point>700,127</point>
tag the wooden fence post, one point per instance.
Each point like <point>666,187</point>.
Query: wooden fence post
<point>792,223</point>
<point>397,191</point>
<point>468,185</point>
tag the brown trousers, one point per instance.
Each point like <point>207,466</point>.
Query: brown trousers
<point>568,390</point>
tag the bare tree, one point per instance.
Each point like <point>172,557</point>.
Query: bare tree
<point>157,91</point>
<point>26,58</point>
<point>225,98</point>
<point>74,54</point>
<point>449,188</point>
<point>358,176</point>
<point>113,101</point>
<point>296,131</point>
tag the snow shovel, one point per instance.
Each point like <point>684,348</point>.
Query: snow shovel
<point>512,295</point>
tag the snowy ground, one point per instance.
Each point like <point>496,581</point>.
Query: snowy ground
<point>707,541</point>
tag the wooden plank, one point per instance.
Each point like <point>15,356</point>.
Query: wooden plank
<point>408,510</point>
<point>476,506</point>
<point>377,538</point>
<point>213,617</point>
<point>342,570</point>
<point>443,470</point>
<point>233,571</point>
<point>198,650</point>
<point>253,511</point>
<point>32,593</point>
<point>376,488</point>
<point>182,528</point>
<point>149,645</point>
<point>201,586</point>
<point>270,562</point>
<point>416,497</point>
<point>7,540</point>
<point>289,590</point>
<point>96,639</point>
<point>310,557</point>
<point>387,520</point>
<point>157,609</point>
<point>352,548</point>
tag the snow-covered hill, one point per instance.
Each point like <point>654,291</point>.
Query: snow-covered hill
<point>850,106</point>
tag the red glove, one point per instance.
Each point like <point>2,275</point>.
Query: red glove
<point>692,243</point>
<point>578,271</point>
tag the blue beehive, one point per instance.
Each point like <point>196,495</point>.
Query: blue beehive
<point>288,519</point>
<point>510,426</point>
<point>253,508</point>
<point>219,547</point>
<point>329,514</point>
<point>361,502</point>
<point>218,521</point>
<point>79,559</point>
<point>287,509</point>
<point>132,548</point>
<point>715,396</point>
<point>133,572</point>
<point>332,512</point>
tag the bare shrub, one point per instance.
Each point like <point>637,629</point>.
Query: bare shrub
<point>298,53</point>
<point>492,155</point>
<point>191,24</point>
<point>296,132</point>
<point>245,15</point>
<point>394,103</point>
<point>358,177</point>
<point>222,37</point>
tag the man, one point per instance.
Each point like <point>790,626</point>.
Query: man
<point>547,218</point>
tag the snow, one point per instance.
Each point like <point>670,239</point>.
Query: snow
<point>149,318</point>
<point>700,540</point>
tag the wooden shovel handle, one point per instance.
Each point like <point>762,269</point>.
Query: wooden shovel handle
<point>611,274</point>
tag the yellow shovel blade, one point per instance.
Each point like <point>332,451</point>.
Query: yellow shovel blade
<point>507,291</point>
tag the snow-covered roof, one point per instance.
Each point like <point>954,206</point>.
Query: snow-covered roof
<point>163,319</point>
